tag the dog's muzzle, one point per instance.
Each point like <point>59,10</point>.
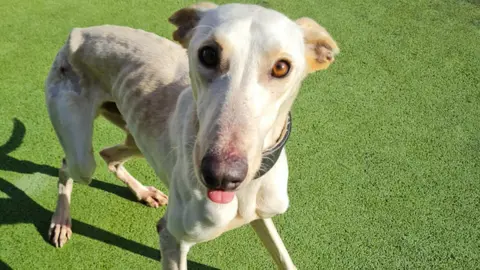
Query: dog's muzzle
<point>223,173</point>
<point>220,172</point>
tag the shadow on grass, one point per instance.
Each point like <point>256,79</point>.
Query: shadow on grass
<point>8,163</point>
<point>4,266</point>
<point>20,208</point>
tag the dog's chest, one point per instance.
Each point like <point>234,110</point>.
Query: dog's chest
<point>267,196</point>
<point>251,208</point>
<point>259,201</point>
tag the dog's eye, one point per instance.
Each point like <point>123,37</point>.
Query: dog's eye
<point>208,56</point>
<point>280,69</point>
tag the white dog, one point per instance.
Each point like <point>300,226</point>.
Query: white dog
<point>212,119</point>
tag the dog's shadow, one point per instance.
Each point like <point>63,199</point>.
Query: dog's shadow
<point>20,208</point>
<point>8,163</point>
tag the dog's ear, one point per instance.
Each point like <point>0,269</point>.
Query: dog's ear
<point>186,19</point>
<point>320,48</point>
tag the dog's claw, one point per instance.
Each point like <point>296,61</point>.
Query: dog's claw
<point>153,197</point>
<point>59,234</point>
<point>60,230</point>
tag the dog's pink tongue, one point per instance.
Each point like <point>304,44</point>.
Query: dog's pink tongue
<point>220,196</point>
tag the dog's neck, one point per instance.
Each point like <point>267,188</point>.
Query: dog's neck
<point>278,135</point>
<point>276,131</point>
<point>271,155</point>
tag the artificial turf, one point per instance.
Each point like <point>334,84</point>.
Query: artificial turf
<point>384,156</point>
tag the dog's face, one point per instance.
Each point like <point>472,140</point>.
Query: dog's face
<point>246,66</point>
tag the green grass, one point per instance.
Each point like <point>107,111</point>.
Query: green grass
<point>384,155</point>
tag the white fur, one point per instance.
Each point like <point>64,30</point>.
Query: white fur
<point>143,74</point>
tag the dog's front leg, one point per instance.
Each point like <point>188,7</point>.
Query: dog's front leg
<point>270,238</point>
<point>174,253</point>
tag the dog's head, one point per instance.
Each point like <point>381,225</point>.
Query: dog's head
<point>246,66</point>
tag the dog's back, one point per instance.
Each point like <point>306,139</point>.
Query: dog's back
<point>111,69</point>
<point>107,54</point>
<point>112,49</point>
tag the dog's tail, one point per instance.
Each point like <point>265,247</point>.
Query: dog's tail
<point>16,139</point>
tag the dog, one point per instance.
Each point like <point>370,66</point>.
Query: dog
<point>210,114</point>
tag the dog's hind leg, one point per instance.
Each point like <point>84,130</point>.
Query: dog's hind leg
<point>72,110</point>
<point>61,225</point>
<point>74,126</point>
<point>115,157</point>
<point>270,238</point>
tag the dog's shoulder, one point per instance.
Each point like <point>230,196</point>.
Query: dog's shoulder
<point>114,43</point>
<point>108,34</point>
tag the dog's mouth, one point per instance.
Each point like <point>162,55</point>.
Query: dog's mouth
<point>214,195</point>
<point>220,196</point>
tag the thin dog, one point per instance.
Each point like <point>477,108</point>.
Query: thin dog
<point>211,117</point>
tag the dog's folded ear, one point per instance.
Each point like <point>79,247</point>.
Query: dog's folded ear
<point>320,48</point>
<point>186,19</point>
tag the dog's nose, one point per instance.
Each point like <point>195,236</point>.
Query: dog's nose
<point>223,172</point>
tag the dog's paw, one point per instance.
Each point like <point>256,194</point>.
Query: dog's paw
<point>153,197</point>
<point>60,231</point>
